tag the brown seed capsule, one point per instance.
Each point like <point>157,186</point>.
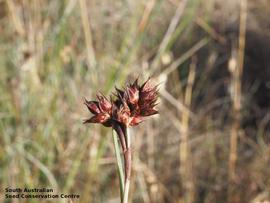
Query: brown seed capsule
<point>101,110</point>
<point>128,108</point>
<point>104,104</point>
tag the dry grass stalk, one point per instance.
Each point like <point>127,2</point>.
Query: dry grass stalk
<point>17,22</point>
<point>173,24</point>
<point>146,15</point>
<point>91,58</point>
<point>204,25</point>
<point>177,62</point>
<point>185,157</point>
<point>236,97</point>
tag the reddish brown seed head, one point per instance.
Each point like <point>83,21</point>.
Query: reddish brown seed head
<point>104,104</point>
<point>92,106</point>
<point>99,118</point>
<point>135,120</point>
<point>129,106</point>
<point>133,95</point>
<point>101,110</point>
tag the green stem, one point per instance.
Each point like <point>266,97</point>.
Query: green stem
<point>127,166</point>
<point>119,164</point>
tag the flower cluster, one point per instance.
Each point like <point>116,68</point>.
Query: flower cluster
<point>126,107</point>
<point>129,107</point>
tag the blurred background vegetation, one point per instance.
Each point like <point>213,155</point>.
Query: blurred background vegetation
<point>210,142</point>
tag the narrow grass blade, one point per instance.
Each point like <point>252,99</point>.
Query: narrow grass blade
<point>119,163</point>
